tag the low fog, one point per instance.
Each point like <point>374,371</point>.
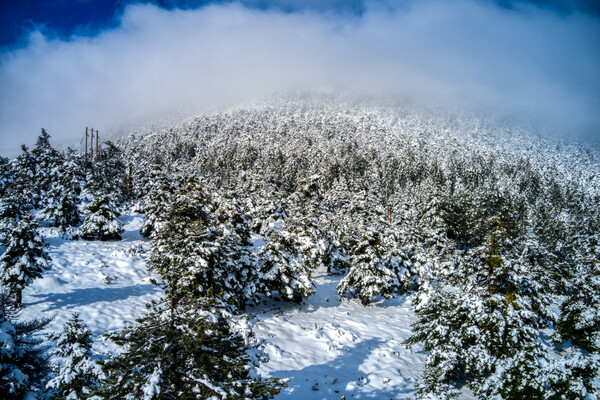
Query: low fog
<point>526,62</point>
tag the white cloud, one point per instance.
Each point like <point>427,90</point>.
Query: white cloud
<point>532,62</point>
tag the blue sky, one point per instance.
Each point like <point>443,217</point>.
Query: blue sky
<point>64,18</point>
<point>112,64</point>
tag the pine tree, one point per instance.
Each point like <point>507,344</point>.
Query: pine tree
<point>481,327</point>
<point>23,362</point>
<point>47,162</point>
<point>24,258</point>
<point>282,266</point>
<point>62,196</point>
<point>11,211</point>
<point>102,222</point>
<point>6,177</point>
<point>157,191</point>
<point>77,374</point>
<point>580,313</point>
<point>377,267</point>
<point>235,262</point>
<point>107,171</point>
<point>24,178</point>
<point>184,245</point>
<point>183,352</point>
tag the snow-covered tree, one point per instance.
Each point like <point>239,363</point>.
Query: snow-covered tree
<point>11,211</point>
<point>23,363</point>
<point>47,161</point>
<point>377,267</point>
<point>481,327</point>
<point>6,176</point>
<point>158,188</point>
<point>101,222</point>
<point>24,258</point>
<point>184,352</point>
<point>76,375</point>
<point>24,178</point>
<point>184,245</point>
<point>580,313</point>
<point>106,172</point>
<point>62,208</point>
<point>62,198</point>
<point>282,268</point>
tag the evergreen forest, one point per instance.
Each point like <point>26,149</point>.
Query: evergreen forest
<point>489,228</point>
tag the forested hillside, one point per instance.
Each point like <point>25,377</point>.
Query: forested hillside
<point>490,229</point>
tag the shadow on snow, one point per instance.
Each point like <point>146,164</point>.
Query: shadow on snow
<point>82,297</point>
<point>341,376</point>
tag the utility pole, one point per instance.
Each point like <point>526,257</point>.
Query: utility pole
<point>86,138</point>
<point>92,146</point>
<point>97,143</point>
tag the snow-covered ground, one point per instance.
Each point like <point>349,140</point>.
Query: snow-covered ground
<point>78,280</point>
<point>327,348</point>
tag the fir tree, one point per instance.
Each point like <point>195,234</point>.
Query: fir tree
<point>157,191</point>
<point>107,171</point>
<point>282,267</point>
<point>24,175</point>
<point>11,211</point>
<point>102,222</point>
<point>183,352</point>
<point>236,264</point>
<point>184,245</point>
<point>62,197</point>
<point>47,163</point>
<point>24,258</point>
<point>579,319</point>
<point>23,363</point>
<point>77,374</point>
<point>6,177</point>
<point>481,327</point>
<point>377,267</point>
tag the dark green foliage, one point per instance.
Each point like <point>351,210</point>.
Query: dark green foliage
<point>24,258</point>
<point>62,198</point>
<point>157,189</point>
<point>24,178</point>
<point>76,374</point>
<point>183,247</point>
<point>481,326</point>
<point>6,177</point>
<point>106,172</point>
<point>101,222</point>
<point>47,162</point>
<point>579,319</point>
<point>183,352</point>
<point>23,362</point>
<point>282,268</point>
<point>378,267</point>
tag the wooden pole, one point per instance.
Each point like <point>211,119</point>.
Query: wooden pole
<point>97,143</point>
<point>92,146</point>
<point>86,137</point>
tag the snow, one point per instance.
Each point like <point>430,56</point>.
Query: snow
<point>77,283</point>
<point>325,347</point>
<point>328,348</point>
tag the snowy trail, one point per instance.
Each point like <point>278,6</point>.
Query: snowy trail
<point>78,280</point>
<point>329,348</point>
